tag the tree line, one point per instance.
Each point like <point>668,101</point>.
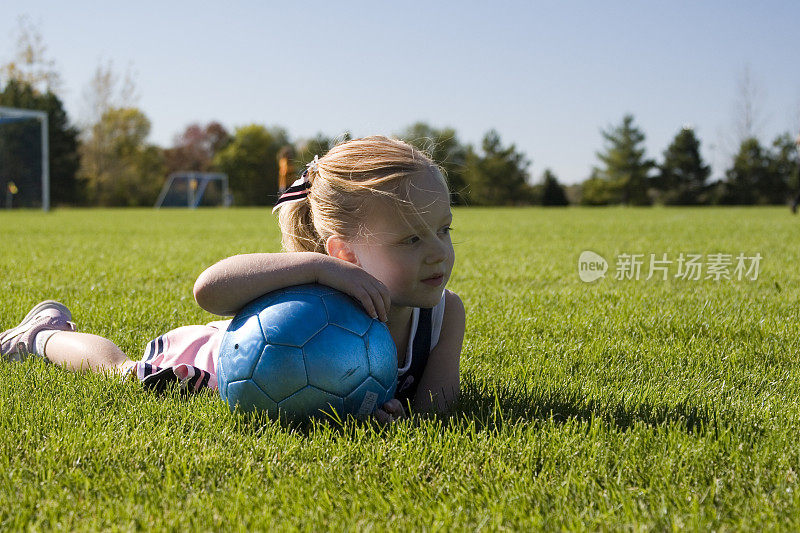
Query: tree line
<point>112,164</point>
<point>757,175</point>
<point>108,161</point>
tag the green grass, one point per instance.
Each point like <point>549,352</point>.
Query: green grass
<point>641,405</point>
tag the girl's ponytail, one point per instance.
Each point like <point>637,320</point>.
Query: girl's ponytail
<point>297,228</point>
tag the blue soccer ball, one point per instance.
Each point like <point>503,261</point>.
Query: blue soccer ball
<point>305,351</point>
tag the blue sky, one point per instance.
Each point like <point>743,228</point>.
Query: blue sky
<point>548,76</point>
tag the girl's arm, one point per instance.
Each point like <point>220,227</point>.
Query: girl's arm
<point>439,387</point>
<point>225,287</point>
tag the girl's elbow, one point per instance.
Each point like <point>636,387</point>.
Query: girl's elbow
<point>201,292</point>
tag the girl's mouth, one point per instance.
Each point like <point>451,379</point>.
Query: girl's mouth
<point>434,281</point>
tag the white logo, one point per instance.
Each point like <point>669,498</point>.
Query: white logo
<point>591,266</point>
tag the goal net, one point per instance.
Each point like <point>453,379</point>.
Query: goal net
<point>24,156</point>
<point>194,189</point>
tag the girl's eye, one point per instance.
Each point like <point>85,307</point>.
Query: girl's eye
<point>415,238</point>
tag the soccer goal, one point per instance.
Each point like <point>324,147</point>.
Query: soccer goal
<point>194,189</point>
<point>24,158</point>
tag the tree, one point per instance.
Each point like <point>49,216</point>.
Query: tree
<point>30,65</point>
<point>30,82</point>
<point>748,165</point>
<point>552,192</point>
<point>785,162</point>
<point>117,164</point>
<point>16,140</point>
<point>755,176</point>
<point>306,149</point>
<point>195,148</point>
<point>251,162</point>
<point>443,146</point>
<point>106,91</point>
<point>682,175</point>
<point>499,176</point>
<point>597,191</point>
<point>748,119</point>
<point>626,170</point>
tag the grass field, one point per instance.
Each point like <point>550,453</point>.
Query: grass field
<point>619,404</point>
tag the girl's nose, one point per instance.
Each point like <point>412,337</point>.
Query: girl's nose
<point>439,252</point>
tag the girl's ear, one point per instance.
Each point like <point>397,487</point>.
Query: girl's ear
<point>339,248</point>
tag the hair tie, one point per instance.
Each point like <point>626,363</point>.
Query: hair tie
<point>296,192</point>
<point>314,164</point>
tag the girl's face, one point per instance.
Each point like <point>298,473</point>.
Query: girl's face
<point>413,259</point>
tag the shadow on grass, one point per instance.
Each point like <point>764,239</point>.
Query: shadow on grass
<point>492,407</point>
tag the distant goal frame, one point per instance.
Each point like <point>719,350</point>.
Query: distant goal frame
<point>197,182</point>
<point>13,114</point>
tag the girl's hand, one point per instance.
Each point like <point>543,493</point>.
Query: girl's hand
<point>353,280</point>
<point>390,412</point>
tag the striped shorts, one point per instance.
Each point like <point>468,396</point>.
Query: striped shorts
<point>186,355</point>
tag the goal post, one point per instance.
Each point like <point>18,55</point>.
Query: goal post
<point>11,114</point>
<point>194,189</point>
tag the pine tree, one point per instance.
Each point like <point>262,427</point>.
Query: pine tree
<point>552,191</point>
<point>741,178</point>
<point>626,170</point>
<point>682,175</point>
<point>499,176</point>
<point>785,164</point>
<point>759,175</point>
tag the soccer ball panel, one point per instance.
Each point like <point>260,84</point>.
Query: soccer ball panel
<point>336,360</point>
<point>366,398</point>
<point>254,307</point>
<point>248,397</point>
<point>281,371</point>
<point>293,322</point>
<point>346,313</point>
<point>310,402</point>
<point>379,342</point>
<point>242,345</point>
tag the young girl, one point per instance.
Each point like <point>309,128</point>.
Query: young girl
<point>372,219</point>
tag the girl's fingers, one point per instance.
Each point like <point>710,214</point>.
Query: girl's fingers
<point>363,296</point>
<point>382,416</point>
<point>374,303</point>
<point>394,408</point>
<point>371,293</point>
<point>383,309</point>
<point>380,300</point>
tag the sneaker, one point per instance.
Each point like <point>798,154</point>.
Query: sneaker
<point>17,343</point>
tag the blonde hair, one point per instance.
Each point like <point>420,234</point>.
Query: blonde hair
<point>343,183</point>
